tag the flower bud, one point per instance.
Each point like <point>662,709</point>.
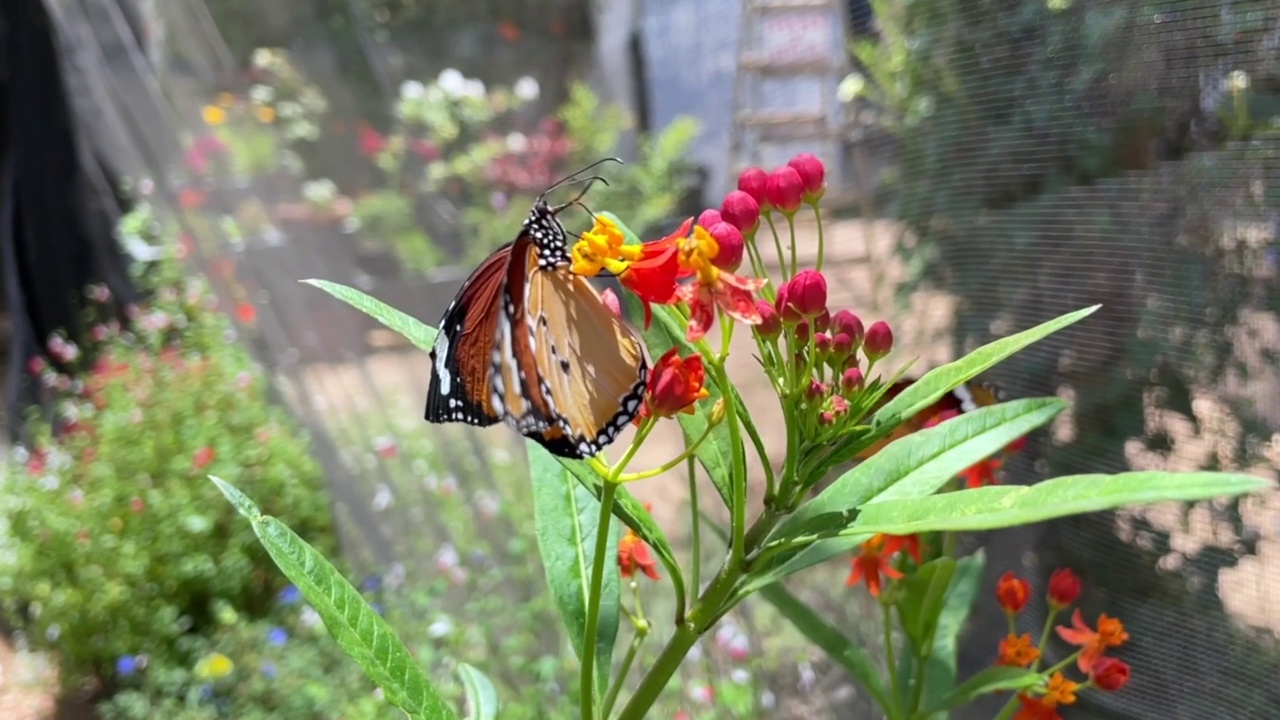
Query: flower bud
<point>1109,674</point>
<point>1012,591</point>
<point>785,190</point>
<point>802,332</point>
<point>783,306</point>
<point>770,321</point>
<point>1064,588</point>
<point>841,346</point>
<point>822,342</point>
<point>851,381</point>
<point>812,175</point>
<point>611,301</point>
<point>816,390</point>
<point>741,210</point>
<point>731,246</point>
<point>709,217</point>
<point>752,181</point>
<point>849,324</point>
<point>822,323</point>
<point>878,341</point>
<point>807,293</point>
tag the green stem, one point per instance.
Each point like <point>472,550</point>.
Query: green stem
<point>587,679</point>
<point>1009,706</point>
<point>791,228</point>
<point>1044,637</point>
<point>777,242</point>
<point>737,551</point>
<point>695,569</point>
<point>817,215</point>
<point>895,693</point>
<point>758,443</point>
<point>612,696</point>
<point>917,685</point>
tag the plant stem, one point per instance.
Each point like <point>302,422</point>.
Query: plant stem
<point>695,567</point>
<point>587,680</point>
<point>777,242</point>
<point>817,215</point>
<point>895,693</point>
<point>738,527</point>
<point>1044,637</point>
<point>791,228</point>
<point>612,696</point>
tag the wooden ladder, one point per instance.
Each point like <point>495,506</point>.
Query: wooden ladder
<point>788,48</point>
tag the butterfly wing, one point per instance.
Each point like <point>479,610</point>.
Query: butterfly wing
<point>460,387</point>
<point>591,368</point>
<point>965,398</point>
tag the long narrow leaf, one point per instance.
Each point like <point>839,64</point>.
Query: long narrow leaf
<point>361,632</point>
<point>566,518</point>
<point>413,330</point>
<point>482,697</point>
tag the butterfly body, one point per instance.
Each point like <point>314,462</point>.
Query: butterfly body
<point>528,343</point>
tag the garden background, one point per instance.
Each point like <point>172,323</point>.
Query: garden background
<point>1001,162</point>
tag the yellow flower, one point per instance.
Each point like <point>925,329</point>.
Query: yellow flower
<point>603,248</point>
<point>226,100</point>
<point>697,252</point>
<point>266,114</point>
<point>213,115</point>
<point>214,666</point>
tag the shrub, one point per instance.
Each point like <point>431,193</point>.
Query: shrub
<point>116,545</point>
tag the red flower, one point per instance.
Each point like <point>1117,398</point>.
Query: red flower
<point>1018,651</point>
<point>812,173</point>
<point>634,555</point>
<point>649,270</point>
<point>137,505</point>
<point>246,313</point>
<point>785,189</point>
<point>1013,592</point>
<point>1109,674</point>
<point>424,149</point>
<point>742,210</point>
<point>370,141</point>
<point>878,341</point>
<point>981,473</point>
<point>753,181</point>
<point>876,559</point>
<point>675,384</point>
<point>714,287</point>
<point>806,294</point>
<point>770,322</point>
<point>1064,588</point>
<point>1034,708</point>
<point>731,245</point>
<point>1093,643</point>
<point>202,458</point>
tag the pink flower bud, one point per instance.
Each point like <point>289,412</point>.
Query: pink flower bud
<point>770,321</point>
<point>753,181</point>
<point>828,417</point>
<point>846,323</point>
<point>822,323</point>
<point>610,299</point>
<point>741,210</point>
<point>802,332</point>
<point>822,342</point>
<point>785,189</point>
<point>815,390</point>
<point>783,305</point>
<point>839,405</point>
<point>841,345</point>
<point>731,246</point>
<point>709,217</point>
<point>812,174</point>
<point>851,381</point>
<point>878,341</point>
<point>807,293</point>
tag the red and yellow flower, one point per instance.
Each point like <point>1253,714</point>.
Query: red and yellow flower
<point>1018,651</point>
<point>650,270</point>
<point>633,555</point>
<point>1093,643</point>
<point>713,287</point>
<point>876,559</point>
<point>675,384</point>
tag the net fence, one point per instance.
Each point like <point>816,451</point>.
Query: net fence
<point>1012,160</point>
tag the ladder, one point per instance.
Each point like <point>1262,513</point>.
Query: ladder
<point>791,57</point>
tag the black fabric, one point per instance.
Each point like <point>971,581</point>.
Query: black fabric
<point>57,231</point>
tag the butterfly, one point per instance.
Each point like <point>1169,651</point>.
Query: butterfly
<point>965,398</point>
<point>528,343</point>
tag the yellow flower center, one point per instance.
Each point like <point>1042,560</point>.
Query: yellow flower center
<point>697,252</point>
<point>603,247</point>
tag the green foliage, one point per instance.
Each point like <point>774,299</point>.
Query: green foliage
<point>118,547</point>
<point>387,217</point>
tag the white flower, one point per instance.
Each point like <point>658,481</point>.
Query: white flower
<point>382,499</point>
<point>319,192</point>
<point>473,88</point>
<point>740,676</point>
<point>261,57</point>
<point>262,94</point>
<point>851,87</point>
<point>440,628</point>
<point>451,82</point>
<point>517,142</point>
<point>526,89</point>
<point>309,617</point>
<point>412,89</point>
<point>1238,81</point>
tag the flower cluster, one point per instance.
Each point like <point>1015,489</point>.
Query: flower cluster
<point>1101,671</point>
<point>876,559</point>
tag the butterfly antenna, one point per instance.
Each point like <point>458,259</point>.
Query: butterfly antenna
<point>577,199</point>
<point>572,178</point>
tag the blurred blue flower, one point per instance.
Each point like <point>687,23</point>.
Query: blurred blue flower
<point>371,583</point>
<point>269,671</point>
<point>126,665</point>
<point>290,595</point>
<point>206,692</point>
<point>277,636</point>
<point>377,607</point>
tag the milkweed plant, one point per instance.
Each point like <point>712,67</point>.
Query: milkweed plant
<point>892,516</point>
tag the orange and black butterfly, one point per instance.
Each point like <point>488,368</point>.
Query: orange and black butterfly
<point>528,343</point>
<point>965,398</point>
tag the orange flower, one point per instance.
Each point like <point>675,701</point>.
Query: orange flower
<point>633,554</point>
<point>1018,651</point>
<point>1060,691</point>
<point>649,269</point>
<point>246,313</point>
<point>714,287</point>
<point>1110,633</point>
<point>675,384</point>
<point>1034,708</point>
<point>1013,592</point>
<point>981,473</point>
<point>874,560</point>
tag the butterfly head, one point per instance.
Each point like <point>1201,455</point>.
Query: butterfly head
<point>548,235</point>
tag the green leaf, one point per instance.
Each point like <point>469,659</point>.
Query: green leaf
<point>999,506</point>
<point>566,518</point>
<point>631,512</point>
<point>922,602</point>
<point>940,665</point>
<point>361,632</point>
<point>920,463</point>
<point>482,697</point>
<point>984,682</point>
<point>942,380</point>
<point>829,638</point>
<point>413,330</point>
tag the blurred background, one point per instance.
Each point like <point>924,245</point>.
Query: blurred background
<point>170,169</point>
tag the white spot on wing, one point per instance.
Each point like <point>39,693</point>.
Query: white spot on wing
<point>967,403</point>
<point>443,377</point>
